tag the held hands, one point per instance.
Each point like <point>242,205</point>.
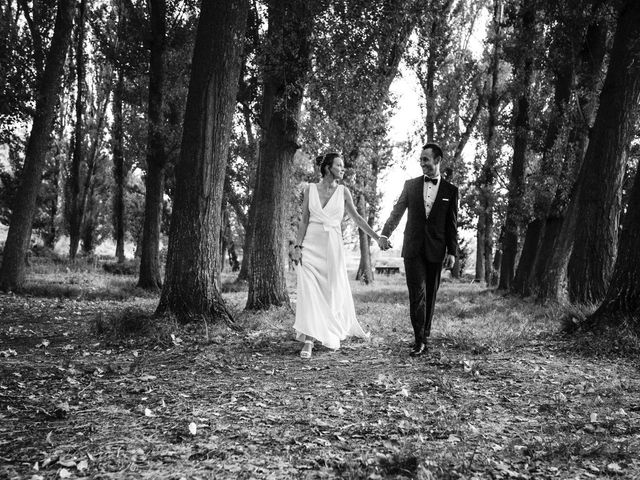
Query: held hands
<point>383,243</point>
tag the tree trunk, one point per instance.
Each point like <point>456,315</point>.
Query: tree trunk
<point>366,182</point>
<point>75,208</point>
<point>245,265</point>
<point>285,75</point>
<point>89,224</point>
<point>225,233</point>
<point>480,232</point>
<point>596,236</point>
<point>156,156</point>
<point>470,127</point>
<point>487,175</point>
<point>365,272</point>
<point>51,235</point>
<point>497,262</point>
<point>515,207</point>
<point>118,167</point>
<point>190,289</point>
<point>429,88</point>
<point>621,305</point>
<point>488,246</point>
<point>92,158</point>
<point>12,272</point>
<point>227,245</point>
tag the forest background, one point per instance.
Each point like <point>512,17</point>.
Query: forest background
<point>187,130</point>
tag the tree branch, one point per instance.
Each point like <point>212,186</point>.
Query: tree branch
<point>38,51</point>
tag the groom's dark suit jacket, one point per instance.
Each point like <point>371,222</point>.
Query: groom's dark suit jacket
<point>434,236</point>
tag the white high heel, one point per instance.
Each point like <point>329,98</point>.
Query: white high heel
<point>306,353</point>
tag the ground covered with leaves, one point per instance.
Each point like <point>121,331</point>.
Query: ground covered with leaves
<point>91,387</point>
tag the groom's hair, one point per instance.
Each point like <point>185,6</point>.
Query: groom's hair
<point>437,151</point>
<point>326,160</point>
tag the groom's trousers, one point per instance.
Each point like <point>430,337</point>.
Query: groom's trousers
<point>423,280</point>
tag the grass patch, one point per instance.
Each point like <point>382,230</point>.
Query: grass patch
<point>133,322</point>
<point>83,285</point>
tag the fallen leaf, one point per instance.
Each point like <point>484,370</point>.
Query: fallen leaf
<point>614,468</point>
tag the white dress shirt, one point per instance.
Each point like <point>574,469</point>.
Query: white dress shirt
<point>429,192</point>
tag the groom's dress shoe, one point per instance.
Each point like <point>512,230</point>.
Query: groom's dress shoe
<point>419,350</point>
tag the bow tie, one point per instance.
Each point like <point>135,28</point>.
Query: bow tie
<point>429,179</point>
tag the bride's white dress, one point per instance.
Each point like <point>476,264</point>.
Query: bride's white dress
<point>324,308</point>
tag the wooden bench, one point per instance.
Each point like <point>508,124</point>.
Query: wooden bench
<point>387,270</point>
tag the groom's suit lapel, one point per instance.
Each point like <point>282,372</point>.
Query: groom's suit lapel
<point>419,197</point>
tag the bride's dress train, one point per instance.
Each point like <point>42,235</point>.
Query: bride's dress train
<point>325,308</point>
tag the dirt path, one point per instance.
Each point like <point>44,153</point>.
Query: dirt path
<point>245,405</point>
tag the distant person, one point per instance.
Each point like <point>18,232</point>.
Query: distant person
<point>324,308</point>
<point>430,238</point>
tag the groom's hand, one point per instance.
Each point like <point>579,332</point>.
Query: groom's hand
<point>449,261</point>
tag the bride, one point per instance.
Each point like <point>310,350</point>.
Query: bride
<point>324,309</point>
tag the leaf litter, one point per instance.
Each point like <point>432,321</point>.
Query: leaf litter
<point>246,406</point>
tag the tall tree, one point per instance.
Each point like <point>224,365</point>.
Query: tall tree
<point>12,272</point>
<point>248,98</point>
<point>119,172</point>
<point>286,68</point>
<point>515,209</point>
<point>599,196</point>
<point>75,179</point>
<point>117,142</point>
<point>487,175</point>
<point>156,156</point>
<point>190,289</point>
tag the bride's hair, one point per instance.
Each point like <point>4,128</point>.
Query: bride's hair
<point>326,160</point>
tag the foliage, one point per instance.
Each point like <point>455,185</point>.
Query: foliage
<point>357,51</point>
<point>24,37</point>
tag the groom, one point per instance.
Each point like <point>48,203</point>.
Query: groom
<point>430,238</point>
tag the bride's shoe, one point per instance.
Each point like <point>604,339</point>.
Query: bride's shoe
<point>306,350</point>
